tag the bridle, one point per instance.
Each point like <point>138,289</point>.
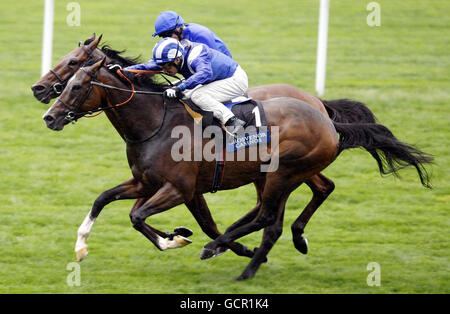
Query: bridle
<point>59,87</point>
<point>74,111</point>
<point>74,114</point>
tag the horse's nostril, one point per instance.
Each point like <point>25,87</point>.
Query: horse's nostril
<point>37,88</point>
<point>48,118</point>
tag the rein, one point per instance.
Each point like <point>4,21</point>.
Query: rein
<point>74,114</point>
<point>124,89</point>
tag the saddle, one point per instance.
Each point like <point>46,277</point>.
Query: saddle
<point>247,109</point>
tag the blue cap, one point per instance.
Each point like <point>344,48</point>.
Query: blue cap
<point>167,21</point>
<point>167,50</point>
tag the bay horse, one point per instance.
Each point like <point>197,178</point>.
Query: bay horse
<point>308,143</point>
<point>341,110</point>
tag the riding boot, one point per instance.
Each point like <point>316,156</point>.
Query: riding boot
<point>235,125</point>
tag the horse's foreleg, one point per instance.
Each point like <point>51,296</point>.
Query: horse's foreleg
<point>183,231</point>
<point>129,189</point>
<point>321,187</point>
<point>165,198</point>
<point>199,209</point>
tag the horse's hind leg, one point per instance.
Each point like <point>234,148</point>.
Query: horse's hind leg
<point>321,187</point>
<point>276,187</point>
<point>259,185</point>
<point>129,189</point>
<point>199,209</point>
<point>270,236</point>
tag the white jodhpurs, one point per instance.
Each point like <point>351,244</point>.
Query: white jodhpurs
<point>209,97</point>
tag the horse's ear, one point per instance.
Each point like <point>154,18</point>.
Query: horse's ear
<point>103,61</point>
<point>97,65</point>
<point>94,42</point>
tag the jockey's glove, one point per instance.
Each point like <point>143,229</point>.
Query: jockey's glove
<point>173,92</point>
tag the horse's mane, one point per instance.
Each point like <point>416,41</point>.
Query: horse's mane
<point>141,80</point>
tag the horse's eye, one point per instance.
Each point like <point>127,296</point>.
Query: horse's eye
<point>73,62</point>
<point>76,87</point>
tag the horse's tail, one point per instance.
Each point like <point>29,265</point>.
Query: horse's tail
<point>390,153</point>
<point>348,111</point>
<point>351,111</point>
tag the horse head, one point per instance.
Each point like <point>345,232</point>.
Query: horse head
<point>53,83</point>
<point>79,98</point>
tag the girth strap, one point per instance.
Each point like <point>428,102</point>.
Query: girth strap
<point>218,174</point>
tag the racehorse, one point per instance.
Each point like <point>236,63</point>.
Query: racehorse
<point>308,143</point>
<point>53,83</point>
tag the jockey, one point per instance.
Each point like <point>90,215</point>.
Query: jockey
<point>211,77</point>
<point>170,24</point>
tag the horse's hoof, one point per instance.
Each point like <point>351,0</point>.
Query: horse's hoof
<point>182,241</point>
<point>82,253</point>
<point>207,253</point>
<point>173,243</point>
<point>220,250</point>
<point>183,231</point>
<point>302,245</point>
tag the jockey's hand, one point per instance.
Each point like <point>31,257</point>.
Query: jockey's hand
<point>173,92</point>
<point>113,67</point>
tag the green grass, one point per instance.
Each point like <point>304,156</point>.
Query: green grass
<point>49,180</point>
